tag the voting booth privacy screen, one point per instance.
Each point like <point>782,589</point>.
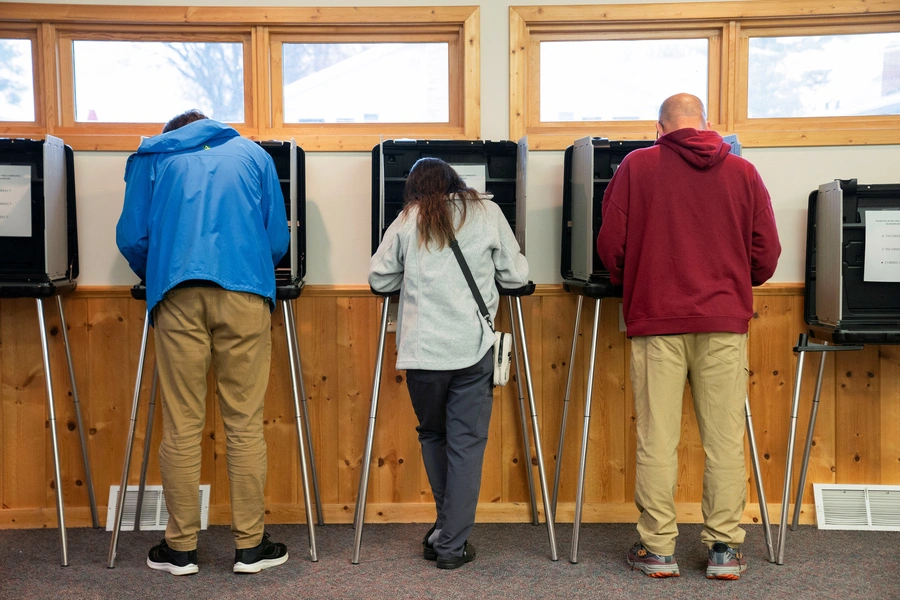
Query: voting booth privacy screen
<point>497,168</point>
<point>588,167</point>
<point>290,164</point>
<point>38,229</point>
<point>852,292</point>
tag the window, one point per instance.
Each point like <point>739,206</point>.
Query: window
<point>775,73</point>
<point>824,76</point>
<point>333,78</point>
<point>150,82</point>
<point>618,80</point>
<point>404,83</point>
<point>375,81</point>
<point>16,80</point>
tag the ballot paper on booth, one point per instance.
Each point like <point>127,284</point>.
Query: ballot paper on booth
<point>882,245</point>
<point>474,176</point>
<point>15,200</point>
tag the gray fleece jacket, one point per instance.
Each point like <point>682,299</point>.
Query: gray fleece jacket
<point>438,326</point>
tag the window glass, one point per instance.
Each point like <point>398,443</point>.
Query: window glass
<point>824,76</point>
<point>16,80</point>
<point>366,83</point>
<point>619,80</point>
<point>150,82</point>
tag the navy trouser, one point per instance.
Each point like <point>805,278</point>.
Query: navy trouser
<point>454,412</point>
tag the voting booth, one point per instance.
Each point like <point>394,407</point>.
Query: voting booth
<point>589,166</point>
<point>851,296</point>
<point>39,259</point>
<point>495,168</point>
<point>290,166</point>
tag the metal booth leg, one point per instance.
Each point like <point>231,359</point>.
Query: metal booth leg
<point>786,495</point>
<point>522,418</point>
<point>809,438</point>
<point>292,358</point>
<point>45,354</point>
<point>145,457</point>
<point>565,413</point>
<point>129,445</point>
<point>360,512</point>
<point>88,480</point>
<point>545,496</point>
<point>760,492</point>
<point>306,424</point>
<point>579,495</point>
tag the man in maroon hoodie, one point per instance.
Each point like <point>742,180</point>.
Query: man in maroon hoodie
<point>687,230</point>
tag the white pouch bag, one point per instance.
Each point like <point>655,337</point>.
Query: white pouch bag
<point>502,357</point>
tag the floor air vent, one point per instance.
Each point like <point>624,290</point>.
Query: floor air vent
<point>154,515</point>
<point>859,507</point>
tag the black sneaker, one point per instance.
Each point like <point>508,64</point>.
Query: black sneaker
<point>163,558</point>
<point>428,552</point>
<point>263,556</point>
<point>455,562</point>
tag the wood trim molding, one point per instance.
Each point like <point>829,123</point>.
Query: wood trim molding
<point>487,512</point>
<point>363,291</point>
<point>700,11</point>
<point>234,15</point>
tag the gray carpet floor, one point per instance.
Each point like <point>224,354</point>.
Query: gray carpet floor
<point>513,562</point>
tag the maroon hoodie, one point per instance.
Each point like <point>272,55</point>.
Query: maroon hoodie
<point>687,230</point>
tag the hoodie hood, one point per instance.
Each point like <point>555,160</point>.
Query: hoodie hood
<point>187,137</point>
<point>702,149</point>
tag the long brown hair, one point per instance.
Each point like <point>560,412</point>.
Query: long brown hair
<point>430,185</point>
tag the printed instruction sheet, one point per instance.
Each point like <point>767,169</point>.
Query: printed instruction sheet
<point>882,245</point>
<point>474,176</point>
<point>15,201</point>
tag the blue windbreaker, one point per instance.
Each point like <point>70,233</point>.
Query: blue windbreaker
<point>201,202</point>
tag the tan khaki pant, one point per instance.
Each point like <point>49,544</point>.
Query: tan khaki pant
<point>195,327</point>
<point>716,366</point>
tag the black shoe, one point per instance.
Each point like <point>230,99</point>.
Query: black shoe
<point>455,562</point>
<point>267,554</point>
<point>428,552</point>
<point>163,558</point>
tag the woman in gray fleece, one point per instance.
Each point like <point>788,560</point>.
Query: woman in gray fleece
<point>442,340</point>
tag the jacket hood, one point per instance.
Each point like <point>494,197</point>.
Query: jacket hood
<point>187,137</point>
<point>702,149</point>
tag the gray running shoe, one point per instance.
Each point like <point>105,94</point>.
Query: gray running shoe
<point>654,565</point>
<point>725,562</point>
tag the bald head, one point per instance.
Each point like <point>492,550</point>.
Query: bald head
<point>680,111</point>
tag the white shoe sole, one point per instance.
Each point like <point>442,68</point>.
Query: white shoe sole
<point>173,569</point>
<point>260,565</point>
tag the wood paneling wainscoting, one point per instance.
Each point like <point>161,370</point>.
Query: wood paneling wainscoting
<point>857,438</point>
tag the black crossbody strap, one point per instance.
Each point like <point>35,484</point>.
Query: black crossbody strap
<point>482,308</point>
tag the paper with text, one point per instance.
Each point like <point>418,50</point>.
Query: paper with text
<point>15,201</point>
<point>882,245</point>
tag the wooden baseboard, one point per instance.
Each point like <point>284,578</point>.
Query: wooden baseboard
<point>489,512</point>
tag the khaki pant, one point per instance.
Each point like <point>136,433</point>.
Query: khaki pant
<point>716,366</point>
<point>194,327</point>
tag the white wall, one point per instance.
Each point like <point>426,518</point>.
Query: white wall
<point>338,184</point>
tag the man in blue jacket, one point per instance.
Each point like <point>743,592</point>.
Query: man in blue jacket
<point>204,225</point>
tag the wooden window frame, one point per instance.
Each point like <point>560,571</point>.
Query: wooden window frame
<point>727,90</point>
<point>55,25</point>
<point>809,131</point>
<point>67,126</point>
<point>454,128</point>
<point>33,33</point>
<point>559,132</point>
